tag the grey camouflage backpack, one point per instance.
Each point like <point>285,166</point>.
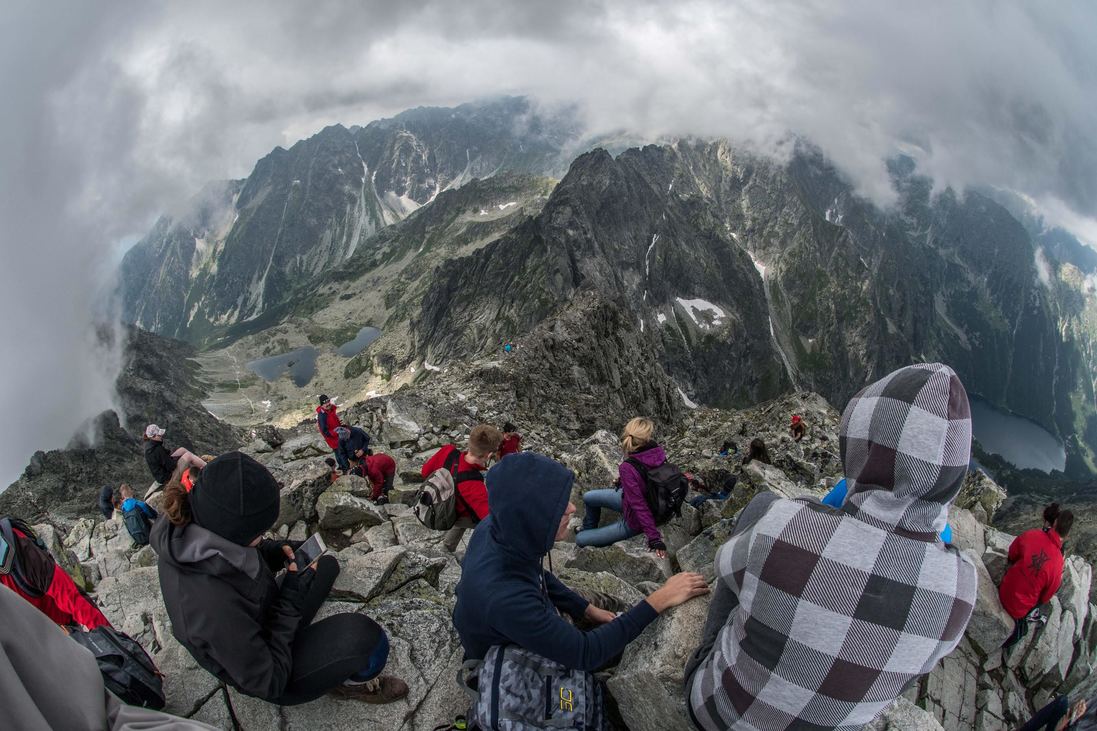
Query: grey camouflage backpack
<point>436,501</point>
<point>522,691</point>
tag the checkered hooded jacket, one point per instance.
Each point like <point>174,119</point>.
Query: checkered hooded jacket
<point>840,610</point>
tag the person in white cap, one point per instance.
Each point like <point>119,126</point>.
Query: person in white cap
<point>163,464</point>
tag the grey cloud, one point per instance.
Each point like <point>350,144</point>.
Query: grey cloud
<point>116,112</point>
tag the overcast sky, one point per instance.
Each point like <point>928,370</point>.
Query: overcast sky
<point>113,113</point>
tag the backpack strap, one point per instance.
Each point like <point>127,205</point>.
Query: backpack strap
<point>451,463</point>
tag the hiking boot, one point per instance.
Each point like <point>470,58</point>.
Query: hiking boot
<point>382,689</point>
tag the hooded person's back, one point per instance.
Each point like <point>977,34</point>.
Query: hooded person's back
<point>841,610</point>
<point>506,596</point>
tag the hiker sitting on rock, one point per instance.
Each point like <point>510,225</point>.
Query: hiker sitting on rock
<point>161,463</point>
<point>628,498</point>
<point>512,440</point>
<point>705,493</point>
<point>353,444</point>
<point>1035,570</point>
<point>106,501</point>
<point>327,421</point>
<point>137,515</point>
<point>505,596</point>
<point>757,452</point>
<point>796,429</point>
<point>728,448</point>
<point>380,470</point>
<point>467,468</point>
<point>241,624</point>
<point>821,617</point>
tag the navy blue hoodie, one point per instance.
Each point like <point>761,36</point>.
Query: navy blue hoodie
<point>505,595</point>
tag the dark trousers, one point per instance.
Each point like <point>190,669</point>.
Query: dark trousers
<point>331,651</point>
<point>1020,629</point>
<point>1047,717</point>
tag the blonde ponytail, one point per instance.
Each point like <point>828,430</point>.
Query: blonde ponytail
<point>637,434</point>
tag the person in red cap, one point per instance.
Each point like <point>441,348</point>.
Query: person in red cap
<point>797,429</point>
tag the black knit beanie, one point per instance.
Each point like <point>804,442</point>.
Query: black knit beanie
<point>236,498</point>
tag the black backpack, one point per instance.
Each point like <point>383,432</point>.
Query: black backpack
<point>127,670</point>
<point>665,489</point>
<point>137,523</point>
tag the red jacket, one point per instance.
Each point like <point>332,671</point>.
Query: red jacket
<point>510,445</point>
<point>62,602</point>
<point>378,468</point>
<point>473,492</point>
<point>1035,571</point>
<point>326,422</point>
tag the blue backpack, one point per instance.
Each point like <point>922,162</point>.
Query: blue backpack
<point>137,523</point>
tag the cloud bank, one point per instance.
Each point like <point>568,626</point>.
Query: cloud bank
<point>117,112</point>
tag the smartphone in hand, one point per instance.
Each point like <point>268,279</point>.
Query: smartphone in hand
<point>309,552</point>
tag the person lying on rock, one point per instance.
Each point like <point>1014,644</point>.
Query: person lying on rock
<point>627,498</point>
<point>1035,570</point>
<point>506,596</point>
<point>468,475</point>
<point>822,617</point>
<point>236,619</point>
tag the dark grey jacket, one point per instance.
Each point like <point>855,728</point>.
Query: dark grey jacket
<point>226,607</point>
<point>161,463</point>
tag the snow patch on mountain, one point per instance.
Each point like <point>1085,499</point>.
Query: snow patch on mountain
<point>686,400</point>
<point>694,307</point>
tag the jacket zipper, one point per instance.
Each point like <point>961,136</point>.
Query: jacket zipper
<point>496,687</point>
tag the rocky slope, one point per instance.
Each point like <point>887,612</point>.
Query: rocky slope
<point>242,247</point>
<point>397,572</point>
<point>158,384</point>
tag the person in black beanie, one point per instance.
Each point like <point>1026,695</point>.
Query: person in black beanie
<point>228,608</point>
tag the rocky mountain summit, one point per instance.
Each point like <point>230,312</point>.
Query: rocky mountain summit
<point>396,570</point>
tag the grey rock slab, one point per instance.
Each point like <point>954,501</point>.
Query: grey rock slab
<point>361,577</point>
<point>699,555</point>
<point>990,623</point>
<point>1074,592</point>
<point>629,565</point>
<point>409,531</point>
<point>902,715</point>
<point>254,714</point>
<point>967,532</point>
<point>380,536</point>
<point>340,510</point>
<point>648,682</point>
<point>1043,654</point>
<point>602,582</point>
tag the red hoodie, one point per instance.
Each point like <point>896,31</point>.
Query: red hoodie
<point>62,602</point>
<point>474,492</point>
<point>510,445</point>
<point>326,422</point>
<point>378,468</point>
<point>1035,571</point>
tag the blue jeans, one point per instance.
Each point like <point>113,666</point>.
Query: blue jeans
<point>591,534</point>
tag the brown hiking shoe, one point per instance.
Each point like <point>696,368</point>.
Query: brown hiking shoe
<point>382,689</point>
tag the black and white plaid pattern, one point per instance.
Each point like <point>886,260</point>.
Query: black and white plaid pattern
<point>841,610</point>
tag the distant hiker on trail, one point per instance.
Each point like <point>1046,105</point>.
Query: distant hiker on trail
<point>630,496</point>
<point>327,421</point>
<point>837,497</point>
<point>137,515</point>
<point>380,470</point>
<point>728,448</point>
<point>353,444</point>
<point>512,440</point>
<point>51,682</point>
<point>468,473</point>
<point>796,429</point>
<point>33,573</point>
<point>822,617</point>
<point>505,596</point>
<point>1035,570</point>
<point>706,493</point>
<point>106,501</point>
<point>758,452</point>
<point>217,576</point>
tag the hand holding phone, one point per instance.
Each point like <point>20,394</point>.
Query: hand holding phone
<point>309,552</point>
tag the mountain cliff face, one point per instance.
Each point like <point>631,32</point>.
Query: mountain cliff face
<point>243,247</point>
